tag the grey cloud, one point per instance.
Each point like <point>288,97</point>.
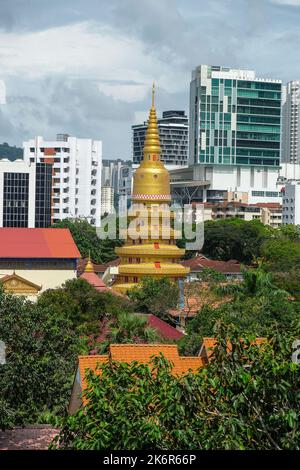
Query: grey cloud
<point>49,106</point>
<point>180,34</point>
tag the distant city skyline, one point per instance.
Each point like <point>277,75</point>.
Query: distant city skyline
<point>86,68</point>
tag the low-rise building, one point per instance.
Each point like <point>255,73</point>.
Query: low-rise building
<point>230,269</point>
<point>33,260</point>
<point>267,213</point>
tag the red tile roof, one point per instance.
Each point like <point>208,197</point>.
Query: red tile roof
<point>200,262</point>
<point>94,280</point>
<point>165,330</point>
<point>37,243</point>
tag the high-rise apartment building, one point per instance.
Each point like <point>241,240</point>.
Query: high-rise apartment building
<point>234,118</point>
<point>117,174</point>
<point>173,134</point>
<point>107,200</point>
<point>25,194</point>
<point>290,148</point>
<point>76,179</point>
<point>291,203</point>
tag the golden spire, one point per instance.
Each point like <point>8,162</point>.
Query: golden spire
<point>153,95</point>
<point>152,143</point>
<point>151,180</point>
<point>89,268</point>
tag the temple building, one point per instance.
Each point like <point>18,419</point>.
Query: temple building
<point>153,252</point>
<point>35,259</point>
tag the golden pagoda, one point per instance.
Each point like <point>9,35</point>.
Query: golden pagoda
<point>154,253</point>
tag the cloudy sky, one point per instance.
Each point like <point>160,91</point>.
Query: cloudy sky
<point>85,67</point>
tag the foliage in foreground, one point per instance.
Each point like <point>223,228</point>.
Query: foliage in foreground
<point>245,400</point>
<point>41,351</point>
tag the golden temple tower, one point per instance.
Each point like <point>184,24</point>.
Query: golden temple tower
<point>154,252</point>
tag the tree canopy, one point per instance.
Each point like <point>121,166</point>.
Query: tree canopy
<point>246,399</point>
<point>155,296</point>
<point>41,350</point>
<point>88,242</point>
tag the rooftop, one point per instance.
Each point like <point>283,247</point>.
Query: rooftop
<point>141,353</point>
<point>47,243</point>
<point>200,262</point>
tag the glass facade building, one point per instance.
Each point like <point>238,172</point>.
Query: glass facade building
<point>235,118</point>
<point>26,194</point>
<point>15,199</point>
<point>43,195</point>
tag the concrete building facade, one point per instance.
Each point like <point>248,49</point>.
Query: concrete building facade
<point>291,203</point>
<point>118,175</point>
<point>107,200</point>
<point>76,180</point>
<point>290,149</point>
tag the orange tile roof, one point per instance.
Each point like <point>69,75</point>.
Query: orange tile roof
<point>141,353</point>
<point>89,362</point>
<point>208,345</point>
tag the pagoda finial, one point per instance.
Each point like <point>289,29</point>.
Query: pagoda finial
<point>152,143</point>
<point>89,268</point>
<point>153,95</point>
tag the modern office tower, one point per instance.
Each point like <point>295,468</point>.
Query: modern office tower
<point>76,177</point>
<point>234,137</point>
<point>234,117</point>
<point>107,200</point>
<point>173,134</point>
<point>291,203</point>
<point>25,194</point>
<point>290,150</point>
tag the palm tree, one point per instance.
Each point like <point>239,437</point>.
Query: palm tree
<point>130,328</point>
<point>255,282</point>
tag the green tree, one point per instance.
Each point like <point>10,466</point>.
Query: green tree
<point>246,399</point>
<point>292,232</point>
<point>87,241</point>
<point>256,307</point>
<point>81,303</point>
<point>234,239</point>
<point>155,296</point>
<point>41,351</point>
<point>281,254</point>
